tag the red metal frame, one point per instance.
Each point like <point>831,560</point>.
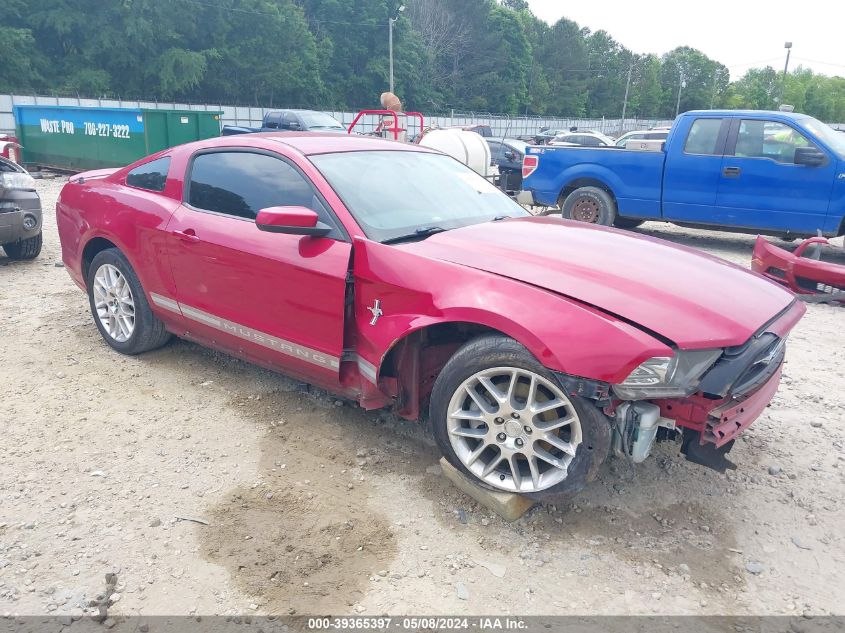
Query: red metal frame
<point>768,258</point>
<point>395,129</point>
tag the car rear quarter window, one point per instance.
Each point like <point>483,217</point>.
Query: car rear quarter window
<point>242,183</point>
<point>703,137</point>
<point>151,176</point>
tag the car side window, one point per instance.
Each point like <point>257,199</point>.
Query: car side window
<point>242,183</point>
<point>703,137</point>
<point>151,176</point>
<point>288,119</point>
<point>591,141</point>
<point>274,120</point>
<point>496,150</point>
<point>769,139</point>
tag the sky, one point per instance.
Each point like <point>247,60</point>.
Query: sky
<point>740,34</point>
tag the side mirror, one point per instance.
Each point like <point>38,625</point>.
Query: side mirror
<point>291,220</point>
<point>809,157</point>
<point>294,125</point>
<point>510,156</point>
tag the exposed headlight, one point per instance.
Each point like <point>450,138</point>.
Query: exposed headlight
<point>16,180</point>
<point>667,376</point>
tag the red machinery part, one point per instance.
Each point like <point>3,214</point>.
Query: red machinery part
<point>388,113</point>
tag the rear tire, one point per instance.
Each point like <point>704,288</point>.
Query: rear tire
<point>119,305</point>
<point>591,205</point>
<point>492,358</point>
<point>29,248</point>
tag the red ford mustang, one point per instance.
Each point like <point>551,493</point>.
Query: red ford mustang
<point>394,276</point>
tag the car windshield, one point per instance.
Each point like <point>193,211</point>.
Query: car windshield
<point>393,194</point>
<point>833,139</point>
<point>320,120</point>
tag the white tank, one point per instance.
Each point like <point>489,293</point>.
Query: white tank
<point>468,147</point>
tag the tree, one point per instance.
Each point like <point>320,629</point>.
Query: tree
<point>263,52</point>
<point>609,62</point>
<point>481,55</point>
<point>563,56</point>
<point>693,73</point>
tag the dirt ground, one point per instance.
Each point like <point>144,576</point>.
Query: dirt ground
<point>210,486</point>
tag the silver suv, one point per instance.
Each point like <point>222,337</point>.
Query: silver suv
<point>20,212</point>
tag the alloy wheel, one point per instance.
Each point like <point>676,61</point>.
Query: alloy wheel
<point>114,303</point>
<point>513,429</point>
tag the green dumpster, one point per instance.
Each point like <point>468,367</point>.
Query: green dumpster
<point>76,138</point>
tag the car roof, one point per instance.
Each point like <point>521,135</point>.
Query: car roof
<point>310,143</point>
<point>749,113</point>
<point>297,111</point>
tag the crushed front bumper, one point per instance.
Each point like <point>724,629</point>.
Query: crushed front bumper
<point>801,274</point>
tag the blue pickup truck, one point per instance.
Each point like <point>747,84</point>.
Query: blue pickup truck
<point>777,173</point>
<point>290,121</point>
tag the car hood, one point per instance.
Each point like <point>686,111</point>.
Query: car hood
<point>695,300</point>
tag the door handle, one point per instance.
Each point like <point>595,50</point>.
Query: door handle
<point>731,172</point>
<point>188,235</point>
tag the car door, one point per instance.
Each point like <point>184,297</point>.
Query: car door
<point>274,298</point>
<point>693,169</point>
<point>761,186</point>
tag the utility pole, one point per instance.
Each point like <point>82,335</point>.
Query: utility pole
<point>681,85</point>
<point>715,85</point>
<point>788,47</point>
<point>625,102</point>
<point>390,21</point>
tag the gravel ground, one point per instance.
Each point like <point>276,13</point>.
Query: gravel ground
<point>209,486</point>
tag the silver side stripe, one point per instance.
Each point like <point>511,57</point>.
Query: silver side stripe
<point>164,302</point>
<point>248,334</point>
<point>367,369</point>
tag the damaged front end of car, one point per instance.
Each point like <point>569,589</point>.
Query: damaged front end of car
<point>702,399</point>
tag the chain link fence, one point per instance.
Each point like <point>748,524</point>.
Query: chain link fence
<point>250,116</point>
<point>503,126</point>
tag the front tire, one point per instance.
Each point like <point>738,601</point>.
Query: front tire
<point>591,205</point>
<point>626,223</point>
<point>119,305</point>
<point>29,248</point>
<point>502,418</point>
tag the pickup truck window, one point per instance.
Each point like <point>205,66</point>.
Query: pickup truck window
<point>835,140</point>
<point>273,120</point>
<point>703,137</point>
<point>151,176</point>
<point>242,183</point>
<point>768,139</point>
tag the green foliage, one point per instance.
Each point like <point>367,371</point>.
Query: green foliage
<point>480,55</point>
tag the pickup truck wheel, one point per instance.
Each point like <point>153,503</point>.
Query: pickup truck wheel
<point>502,418</point>
<point>589,204</point>
<point>29,248</point>
<point>626,223</point>
<point>119,305</point>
